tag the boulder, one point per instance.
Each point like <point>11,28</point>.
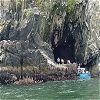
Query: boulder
<point>7,78</point>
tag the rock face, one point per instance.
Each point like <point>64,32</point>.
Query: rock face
<point>78,38</point>
<point>20,36</point>
<point>94,30</point>
<point>29,33</point>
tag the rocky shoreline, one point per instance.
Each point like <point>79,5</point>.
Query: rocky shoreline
<point>36,75</point>
<point>37,34</point>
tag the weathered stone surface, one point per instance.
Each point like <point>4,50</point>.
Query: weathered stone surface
<point>74,36</point>
<point>79,40</point>
<point>11,52</point>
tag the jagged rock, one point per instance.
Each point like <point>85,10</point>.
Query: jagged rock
<point>79,41</point>
<point>7,78</point>
<point>73,35</point>
<point>11,52</point>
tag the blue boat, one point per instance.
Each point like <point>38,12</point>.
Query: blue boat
<point>84,76</point>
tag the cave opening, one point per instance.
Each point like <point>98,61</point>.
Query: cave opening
<point>65,50</point>
<point>63,42</point>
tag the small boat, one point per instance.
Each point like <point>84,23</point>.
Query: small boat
<point>83,74</point>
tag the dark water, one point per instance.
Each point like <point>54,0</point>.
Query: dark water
<point>62,90</point>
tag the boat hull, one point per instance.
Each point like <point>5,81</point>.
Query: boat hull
<point>84,76</point>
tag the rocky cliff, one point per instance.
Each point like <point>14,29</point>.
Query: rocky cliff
<point>37,32</point>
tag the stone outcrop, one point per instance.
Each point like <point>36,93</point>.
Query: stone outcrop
<point>41,37</point>
<point>78,37</point>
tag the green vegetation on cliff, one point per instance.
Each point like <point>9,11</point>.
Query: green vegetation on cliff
<point>71,5</point>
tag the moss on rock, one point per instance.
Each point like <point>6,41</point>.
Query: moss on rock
<point>71,5</point>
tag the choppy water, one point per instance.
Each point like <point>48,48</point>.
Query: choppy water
<point>62,90</point>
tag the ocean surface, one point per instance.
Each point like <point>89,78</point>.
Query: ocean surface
<point>58,90</point>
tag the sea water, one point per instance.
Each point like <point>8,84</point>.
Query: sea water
<point>58,90</point>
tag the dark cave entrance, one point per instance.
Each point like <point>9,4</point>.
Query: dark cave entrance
<point>65,51</point>
<point>63,42</point>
